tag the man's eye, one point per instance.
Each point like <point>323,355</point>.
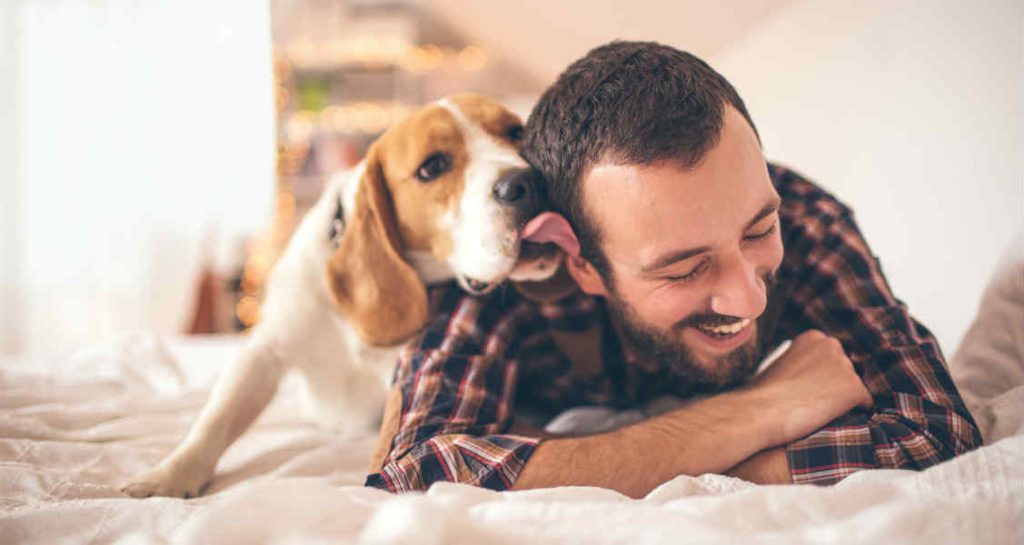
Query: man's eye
<point>435,165</point>
<point>765,234</point>
<point>690,275</point>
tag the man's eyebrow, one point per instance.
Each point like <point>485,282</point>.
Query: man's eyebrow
<point>673,257</point>
<point>768,210</point>
<point>679,255</point>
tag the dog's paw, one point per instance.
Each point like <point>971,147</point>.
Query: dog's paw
<point>174,480</point>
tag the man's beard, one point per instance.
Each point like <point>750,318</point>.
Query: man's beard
<point>668,349</point>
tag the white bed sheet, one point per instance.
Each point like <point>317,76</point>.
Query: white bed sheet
<point>70,435</point>
<point>73,429</point>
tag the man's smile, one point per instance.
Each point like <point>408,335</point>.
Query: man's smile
<point>719,339</point>
<point>723,331</point>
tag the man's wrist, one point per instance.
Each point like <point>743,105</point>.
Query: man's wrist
<point>766,414</point>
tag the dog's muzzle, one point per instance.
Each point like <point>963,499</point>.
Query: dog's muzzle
<point>522,189</point>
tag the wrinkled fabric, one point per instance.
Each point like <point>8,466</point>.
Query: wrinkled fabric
<point>73,429</point>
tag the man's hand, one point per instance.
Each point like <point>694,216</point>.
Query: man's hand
<point>815,382</point>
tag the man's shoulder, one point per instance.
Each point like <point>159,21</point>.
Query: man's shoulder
<point>803,199</point>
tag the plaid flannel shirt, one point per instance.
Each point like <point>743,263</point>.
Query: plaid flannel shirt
<point>482,361</point>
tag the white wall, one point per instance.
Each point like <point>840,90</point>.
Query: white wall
<point>544,36</point>
<point>140,127</point>
<point>10,156</point>
<point>911,112</point>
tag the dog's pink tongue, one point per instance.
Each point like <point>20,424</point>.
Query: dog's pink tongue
<point>552,227</point>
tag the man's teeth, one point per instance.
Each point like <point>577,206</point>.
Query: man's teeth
<point>724,330</point>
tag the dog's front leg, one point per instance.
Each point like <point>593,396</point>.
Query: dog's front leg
<point>244,388</point>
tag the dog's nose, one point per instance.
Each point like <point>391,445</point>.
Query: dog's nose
<point>516,187</point>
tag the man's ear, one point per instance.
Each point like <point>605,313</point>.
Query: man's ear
<point>585,275</point>
<point>373,286</point>
<point>558,287</point>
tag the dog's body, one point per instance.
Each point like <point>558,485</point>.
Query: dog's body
<point>442,195</point>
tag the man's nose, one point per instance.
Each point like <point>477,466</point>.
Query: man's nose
<point>739,290</point>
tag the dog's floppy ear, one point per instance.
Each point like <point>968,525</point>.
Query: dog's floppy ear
<point>376,290</point>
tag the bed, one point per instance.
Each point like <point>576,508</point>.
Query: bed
<point>73,428</point>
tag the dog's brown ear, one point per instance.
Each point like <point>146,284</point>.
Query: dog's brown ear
<point>376,290</point>
<point>559,286</point>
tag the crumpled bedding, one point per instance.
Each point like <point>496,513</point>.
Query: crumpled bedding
<point>73,429</point>
<point>71,433</point>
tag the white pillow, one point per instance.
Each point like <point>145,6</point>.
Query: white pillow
<point>988,367</point>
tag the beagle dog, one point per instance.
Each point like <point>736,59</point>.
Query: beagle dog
<point>441,195</point>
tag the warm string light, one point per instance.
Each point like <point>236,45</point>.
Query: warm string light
<point>265,249</point>
<point>380,51</point>
<point>373,117</point>
<point>359,117</point>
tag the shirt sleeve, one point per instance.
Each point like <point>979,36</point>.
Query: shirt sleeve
<point>918,418</point>
<point>458,387</point>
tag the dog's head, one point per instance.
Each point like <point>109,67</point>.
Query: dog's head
<point>446,186</point>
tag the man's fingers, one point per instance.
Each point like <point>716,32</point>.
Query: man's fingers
<point>811,335</point>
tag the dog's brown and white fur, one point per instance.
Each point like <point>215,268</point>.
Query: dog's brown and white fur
<point>337,310</point>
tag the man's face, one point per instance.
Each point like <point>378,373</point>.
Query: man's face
<point>691,254</point>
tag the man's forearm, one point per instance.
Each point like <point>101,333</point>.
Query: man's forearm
<point>709,436</point>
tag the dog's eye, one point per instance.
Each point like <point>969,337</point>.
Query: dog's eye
<point>514,133</point>
<point>435,165</point>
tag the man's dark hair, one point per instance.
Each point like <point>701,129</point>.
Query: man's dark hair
<point>628,103</point>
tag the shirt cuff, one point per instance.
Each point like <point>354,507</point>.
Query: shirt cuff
<point>832,453</point>
<point>490,461</point>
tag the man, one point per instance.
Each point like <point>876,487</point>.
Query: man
<point>677,233</point>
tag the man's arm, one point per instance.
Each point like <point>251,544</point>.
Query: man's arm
<point>812,383</point>
<point>919,418</point>
<point>707,437</point>
<point>765,467</point>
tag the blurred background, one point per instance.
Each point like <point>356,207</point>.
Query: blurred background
<point>156,155</point>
